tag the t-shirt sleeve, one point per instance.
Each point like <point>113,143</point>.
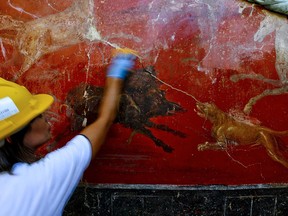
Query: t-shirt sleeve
<point>63,169</point>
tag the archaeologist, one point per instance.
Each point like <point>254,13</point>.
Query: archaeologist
<point>30,186</point>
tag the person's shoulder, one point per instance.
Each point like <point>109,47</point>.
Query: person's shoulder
<point>20,172</point>
<point>18,168</point>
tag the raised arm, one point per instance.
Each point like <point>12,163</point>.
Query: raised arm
<point>97,131</point>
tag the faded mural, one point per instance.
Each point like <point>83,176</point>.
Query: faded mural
<point>141,100</point>
<point>210,75</point>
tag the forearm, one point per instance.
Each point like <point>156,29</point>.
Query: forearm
<point>97,131</point>
<point>117,71</point>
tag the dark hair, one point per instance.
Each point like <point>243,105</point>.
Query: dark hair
<point>14,150</point>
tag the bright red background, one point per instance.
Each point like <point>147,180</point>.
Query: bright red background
<point>195,47</point>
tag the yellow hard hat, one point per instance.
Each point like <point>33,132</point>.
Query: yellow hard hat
<point>18,107</point>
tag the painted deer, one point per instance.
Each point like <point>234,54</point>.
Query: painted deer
<point>34,39</point>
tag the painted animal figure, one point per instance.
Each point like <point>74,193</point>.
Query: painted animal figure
<point>141,100</point>
<point>41,36</point>
<point>228,130</point>
<point>270,26</point>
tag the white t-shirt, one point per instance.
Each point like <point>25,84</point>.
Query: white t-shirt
<point>44,187</point>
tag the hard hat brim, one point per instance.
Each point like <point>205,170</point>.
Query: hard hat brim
<point>40,103</point>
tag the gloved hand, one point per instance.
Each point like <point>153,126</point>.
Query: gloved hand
<point>120,65</point>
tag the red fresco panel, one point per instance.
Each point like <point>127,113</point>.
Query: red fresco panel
<point>227,52</point>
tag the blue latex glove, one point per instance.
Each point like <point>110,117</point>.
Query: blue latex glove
<point>121,64</point>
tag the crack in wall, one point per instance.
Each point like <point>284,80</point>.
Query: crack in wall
<point>271,23</point>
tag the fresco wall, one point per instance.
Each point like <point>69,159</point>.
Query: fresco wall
<point>207,101</point>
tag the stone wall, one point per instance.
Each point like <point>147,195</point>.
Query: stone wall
<point>124,200</point>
